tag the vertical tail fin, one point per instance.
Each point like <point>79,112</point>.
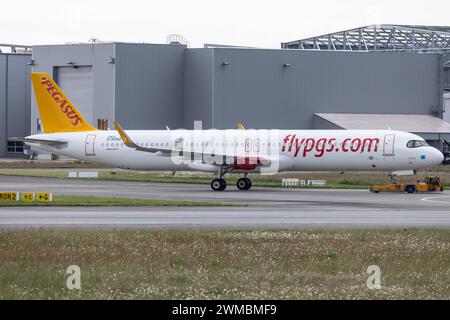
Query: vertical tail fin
<point>58,114</point>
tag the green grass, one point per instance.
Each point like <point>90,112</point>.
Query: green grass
<point>176,264</point>
<point>35,173</point>
<point>258,181</point>
<point>335,180</point>
<point>60,200</point>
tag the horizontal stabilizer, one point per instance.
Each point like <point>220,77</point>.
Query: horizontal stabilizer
<point>39,141</point>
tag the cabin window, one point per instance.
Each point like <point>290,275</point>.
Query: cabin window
<point>416,144</point>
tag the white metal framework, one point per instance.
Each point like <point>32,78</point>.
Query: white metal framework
<point>177,39</point>
<point>391,38</point>
<point>14,48</point>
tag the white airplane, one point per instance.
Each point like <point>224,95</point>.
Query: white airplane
<point>242,151</point>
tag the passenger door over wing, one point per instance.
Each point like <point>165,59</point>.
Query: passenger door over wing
<point>90,142</point>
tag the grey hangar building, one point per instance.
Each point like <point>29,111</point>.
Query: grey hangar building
<point>373,77</point>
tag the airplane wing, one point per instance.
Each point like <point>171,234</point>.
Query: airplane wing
<point>131,144</point>
<point>50,142</point>
<point>246,159</point>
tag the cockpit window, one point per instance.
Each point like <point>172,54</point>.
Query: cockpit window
<point>416,144</point>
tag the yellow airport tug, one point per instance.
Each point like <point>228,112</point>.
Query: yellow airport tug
<point>430,184</point>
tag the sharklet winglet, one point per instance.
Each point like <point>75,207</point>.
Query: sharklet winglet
<point>240,126</point>
<point>125,138</point>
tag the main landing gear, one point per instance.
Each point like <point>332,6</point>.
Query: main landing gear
<point>244,183</point>
<point>219,184</point>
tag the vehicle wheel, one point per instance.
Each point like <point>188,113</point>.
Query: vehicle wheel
<point>249,184</point>
<point>244,184</point>
<point>218,184</point>
<point>410,189</point>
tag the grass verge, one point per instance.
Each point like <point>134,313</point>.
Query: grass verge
<point>174,264</point>
<point>60,200</point>
<point>258,181</point>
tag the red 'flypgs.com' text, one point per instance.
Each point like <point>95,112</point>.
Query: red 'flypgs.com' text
<point>294,144</point>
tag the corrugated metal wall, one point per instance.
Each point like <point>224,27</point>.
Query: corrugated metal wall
<point>198,87</point>
<point>321,123</point>
<point>77,83</point>
<point>3,74</point>
<point>284,88</point>
<point>149,85</point>
<point>14,98</point>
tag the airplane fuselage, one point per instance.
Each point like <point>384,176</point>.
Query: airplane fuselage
<point>287,150</point>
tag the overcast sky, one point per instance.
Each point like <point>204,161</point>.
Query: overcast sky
<point>258,23</point>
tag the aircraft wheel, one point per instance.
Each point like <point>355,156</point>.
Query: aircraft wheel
<point>218,184</point>
<point>244,184</point>
<point>249,184</point>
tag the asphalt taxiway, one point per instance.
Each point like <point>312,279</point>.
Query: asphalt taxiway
<point>266,207</point>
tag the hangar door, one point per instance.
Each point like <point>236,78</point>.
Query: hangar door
<point>77,84</point>
<point>447,106</point>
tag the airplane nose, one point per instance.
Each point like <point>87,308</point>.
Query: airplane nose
<point>437,157</point>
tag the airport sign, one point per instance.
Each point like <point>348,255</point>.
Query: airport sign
<point>27,196</point>
<point>9,196</point>
<point>44,197</point>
